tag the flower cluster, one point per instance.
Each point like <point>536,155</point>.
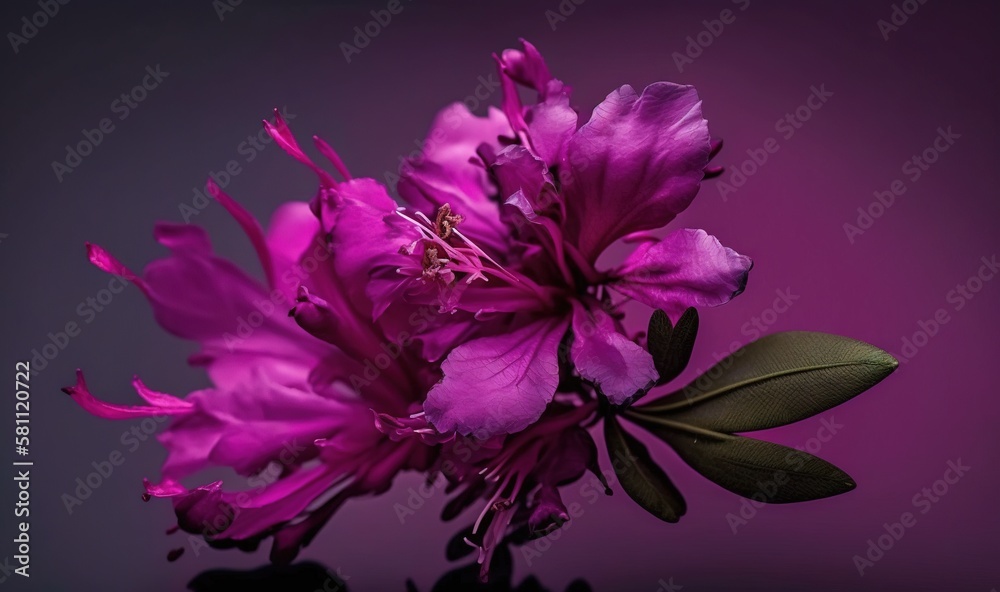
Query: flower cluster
<point>470,333</point>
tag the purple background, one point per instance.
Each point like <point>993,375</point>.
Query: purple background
<point>889,98</point>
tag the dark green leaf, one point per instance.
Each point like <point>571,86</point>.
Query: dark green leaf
<point>671,346</point>
<point>641,478</point>
<point>776,380</point>
<point>755,469</point>
<point>658,335</point>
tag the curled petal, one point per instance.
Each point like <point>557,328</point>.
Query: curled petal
<point>605,357</point>
<point>686,268</point>
<point>548,513</point>
<point>283,137</point>
<point>108,263</point>
<point>526,67</point>
<point>160,403</point>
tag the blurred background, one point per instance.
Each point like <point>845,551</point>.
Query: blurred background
<point>904,100</point>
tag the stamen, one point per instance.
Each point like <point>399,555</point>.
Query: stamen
<point>434,266</point>
<point>446,221</point>
<point>463,257</point>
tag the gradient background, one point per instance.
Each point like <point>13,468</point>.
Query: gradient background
<point>890,96</point>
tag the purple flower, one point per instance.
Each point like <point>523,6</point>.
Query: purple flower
<point>283,410</point>
<point>471,328</point>
<point>508,215</point>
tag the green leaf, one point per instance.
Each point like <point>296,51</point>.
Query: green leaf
<point>641,478</point>
<point>671,346</point>
<point>774,381</point>
<point>751,468</point>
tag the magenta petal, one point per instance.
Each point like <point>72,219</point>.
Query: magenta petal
<point>245,428</point>
<point>526,67</point>
<point>249,225</point>
<point>366,240</point>
<point>107,263</point>
<point>551,125</point>
<point>635,165</point>
<point>293,233</point>
<point>154,397</point>
<point>499,384</point>
<point>524,181</point>
<point>605,357</point>
<point>551,122</point>
<point>283,137</point>
<point>215,513</point>
<point>199,296</point>
<point>160,403</point>
<point>200,510</point>
<point>686,268</point>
